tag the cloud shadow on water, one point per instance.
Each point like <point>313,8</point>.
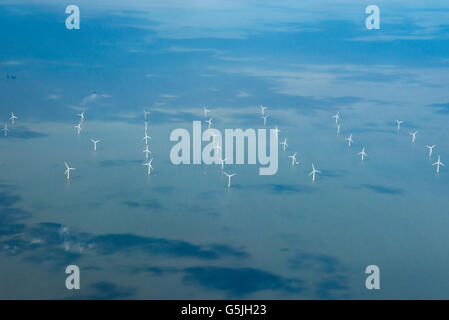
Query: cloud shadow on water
<point>21,132</point>
<point>113,243</point>
<point>106,290</point>
<point>331,274</point>
<point>238,282</point>
<point>383,190</point>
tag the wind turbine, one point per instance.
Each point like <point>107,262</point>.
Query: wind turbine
<point>13,117</point>
<point>276,130</point>
<point>147,151</point>
<point>81,115</point>
<point>438,164</point>
<point>430,149</point>
<point>399,122</point>
<point>284,143</point>
<point>78,127</point>
<point>67,171</point>
<point>262,110</point>
<point>205,110</point>
<point>264,120</point>
<point>95,143</point>
<point>145,114</point>
<point>363,154</point>
<point>337,117</point>
<point>314,172</point>
<point>222,163</point>
<point>293,157</point>
<point>229,177</point>
<point>349,139</point>
<point>149,165</point>
<point>338,129</point>
<point>209,122</point>
<point>413,134</point>
<point>146,137</point>
<point>6,129</point>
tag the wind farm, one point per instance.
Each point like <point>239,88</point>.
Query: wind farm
<point>224,150</point>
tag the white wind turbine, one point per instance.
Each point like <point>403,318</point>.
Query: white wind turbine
<point>67,171</point>
<point>13,117</point>
<point>314,172</point>
<point>147,151</point>
<point>6,130</point>
<point>81,115</point>
<point>205,111</point>
<point>293,157</point>
<point>78,127</point>
<point>399,122</point>
<point>350,141</point>
<point>284,143</point>
<point>222,163</point>
<point>430,149</point>
<point>337,117</point>
<point>149,165</point>
<point>95,143</point>
<point>413,134</point>
<point>229,177</point>
<point>276,130</point>
<point>146,137</point>
<point>438,164</point>
<point>262,110</point>
<point>145,114</point>
<point>209,122</point>
<point>338,129</point>
<point>363,154</point>
<point>264,120</point>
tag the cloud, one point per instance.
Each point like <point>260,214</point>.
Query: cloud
<point>168,96</point>
<point>242,94</point>
<point>11,63</point>
<point>53,97</point>
<point>92,98</point>
<point>187,50</point>
<point>327,86</point>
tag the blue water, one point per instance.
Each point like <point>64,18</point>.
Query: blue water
<point>180,233</point>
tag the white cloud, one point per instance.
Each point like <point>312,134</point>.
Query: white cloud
<point>168,96</point>
<point>93,97</point>
<point>11,63</point>
<point>395,84</point>
<point>242,94</point>
<point>53,96</point>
